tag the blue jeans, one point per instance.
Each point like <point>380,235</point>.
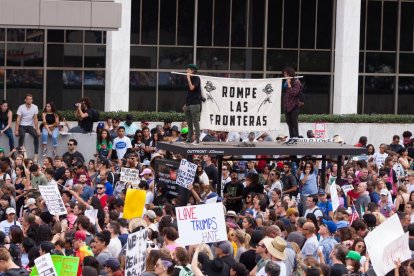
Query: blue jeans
<point>45,134</point>
<point>9,134</point>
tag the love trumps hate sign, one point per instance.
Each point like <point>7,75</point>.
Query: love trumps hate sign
<point>201,224</point>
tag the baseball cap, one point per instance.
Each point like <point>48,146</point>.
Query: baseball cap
<point>330,225</point>
<point>29,202</point>
<point>231,214</point>
<point>1,150</point>
<point>384,192</point>
<point>146,171</point>
<point>192,66</point>
<point>321,192</point>
<point>113,263</point>
<point>341,224</point>
<point>10,210</point>
<point>353,255</point>
<point>151,214</point>
<point>248,211</point>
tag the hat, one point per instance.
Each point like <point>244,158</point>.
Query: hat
<point>330,225</point>
<point>231,214</point>
<point>225,246</point>
<point>291,211</point>
<point>256,237</point>
<point>136,222</point>
<point>276,247</point>
<point>79,235</point>
<point>146,162</point>
<point>384,192</point>
<point>192,66</point>
<point>146,171</point>
<point>321,192</point>
<point>113,263</point>
<point>100,125</point>
<point>184,130</point>
<point>341,224</point>
<point>129,117</point>
<point>281,137</point>
<point>10,210</point>
<point>1,150</point>
<point>175,128</point>
<point>353,255</point>
<point>29,202</point>
<point>151,214</point>
<point>248,211</point>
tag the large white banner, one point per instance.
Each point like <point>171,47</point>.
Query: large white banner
<point>240,104</point>
<point>136,253</point>
<point>201,224</point>
<point>53,199</point>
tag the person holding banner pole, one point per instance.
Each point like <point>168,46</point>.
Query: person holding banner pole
<point>292,88</point>
<point>192,106</point>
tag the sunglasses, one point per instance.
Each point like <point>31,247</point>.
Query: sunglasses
<point>262,245</point>
<point>99,188</point>
<point>69,144</point>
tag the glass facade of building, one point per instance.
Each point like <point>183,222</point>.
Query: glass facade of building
<point>231,38</point>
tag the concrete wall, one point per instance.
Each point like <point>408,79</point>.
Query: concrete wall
<point>75,14</point>
<point>376,133</point>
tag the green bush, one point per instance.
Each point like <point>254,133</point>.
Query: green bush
<point>304,118</point>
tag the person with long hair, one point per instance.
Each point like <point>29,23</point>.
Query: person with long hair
<point>50,127</point>
<point>152,258</point>
<point>21,184</point>
<point>104,145</point>
<point>102,240</point>
<point>164,265</point>
<point>242,240</point>
<point>292,88</point>
<point>6,116</point>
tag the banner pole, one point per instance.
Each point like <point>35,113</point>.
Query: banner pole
<point>185,74</point>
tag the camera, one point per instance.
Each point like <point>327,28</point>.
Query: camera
<point>76,105</point>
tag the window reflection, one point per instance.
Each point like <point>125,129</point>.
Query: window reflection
<point>94,56</point>
<point>172,90</point>
<point>15,34</point>
<point>65,55</point>
<point>249,60</point>
<point>35,35</point>
<point>175,58</point>
<point>74,36</point>
<point>213,59</point>
<point>379,88</point>
<point>93,37</point>
<point>142,93</point>
<point>278,59</point>
<point>64,88</point>
<point>21,82</point>
<point>19,54</point>
<point>405,95</point>
<point>94,88</point>
<point>143,57</point>
<point>2,53</point>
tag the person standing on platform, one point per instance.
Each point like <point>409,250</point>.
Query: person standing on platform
<point>292,88</point>
<point>192,106</point>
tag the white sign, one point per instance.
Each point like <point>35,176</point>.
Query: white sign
<point>54,202</point>
<point>130,175</point>
<point>386,243</point>
<point>92,214</point>
<point>186,173</point>
<point>320,130</point>
<point>347,188</point>
<point>211,200</point>
<point>201,224</point>
<point>240,104</point>
<point>136,253</point>
<point>44,265</point>
<point>334,197</point>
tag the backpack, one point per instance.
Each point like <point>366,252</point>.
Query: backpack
<point>185,270</point>
<point>95,115</point>
<point>301,96</point>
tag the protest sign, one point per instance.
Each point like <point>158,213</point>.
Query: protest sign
<point>129,175</point>
<point>239,104</point>
<point>320,130</point>
<point>347,188</point>
<point>44,266</point>
<point>201,223</point>
<point>53,200</point>
<point>186,173</point>
<point>134,204</point>
<point>136,253</point>
<point>92,214</point>
<point>385,243</point>
<point>64,265</point>
<point>211,200</point>
<point>334,197</point>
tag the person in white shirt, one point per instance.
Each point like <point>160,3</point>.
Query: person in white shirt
<point>121,143</point>
<point>311,206</point>
<point>115,246</point>
<point>379,157</point>
<point>274,179</point>
<point>49,173</point>
<point>27,121</point>
<point>10,221</point>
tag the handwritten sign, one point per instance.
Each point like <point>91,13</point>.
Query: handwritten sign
<point>136,253</point>
<point>64,265</point>
<point>334,197</point>
<point>186,173</point>
<point>44,265</point>
<point>347,188</point>
<point>92,214</point>
<point>386,243</point>
<point>320,130</point>
<point>201,223</point>
<point>54,202</point>
<point>129,175</point>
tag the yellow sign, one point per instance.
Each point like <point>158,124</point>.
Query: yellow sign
<point>134,203</point>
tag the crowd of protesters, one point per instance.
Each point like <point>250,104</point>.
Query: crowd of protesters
<point>279,215</point>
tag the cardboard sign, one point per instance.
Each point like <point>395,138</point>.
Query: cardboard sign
<point>186,173</point>
<point>53,200</point>
<point>347,188</point>
<point>386,243</point>
<point>44,265</point>
<point>136,253</point>
<point>334,197</point>
<point>92,214</point>
<point>64,265</point>
<point>130,175</point>
<point>134,204</point>
<point>201,224</point>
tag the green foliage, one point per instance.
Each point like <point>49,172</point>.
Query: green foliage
<point>304,118</point>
